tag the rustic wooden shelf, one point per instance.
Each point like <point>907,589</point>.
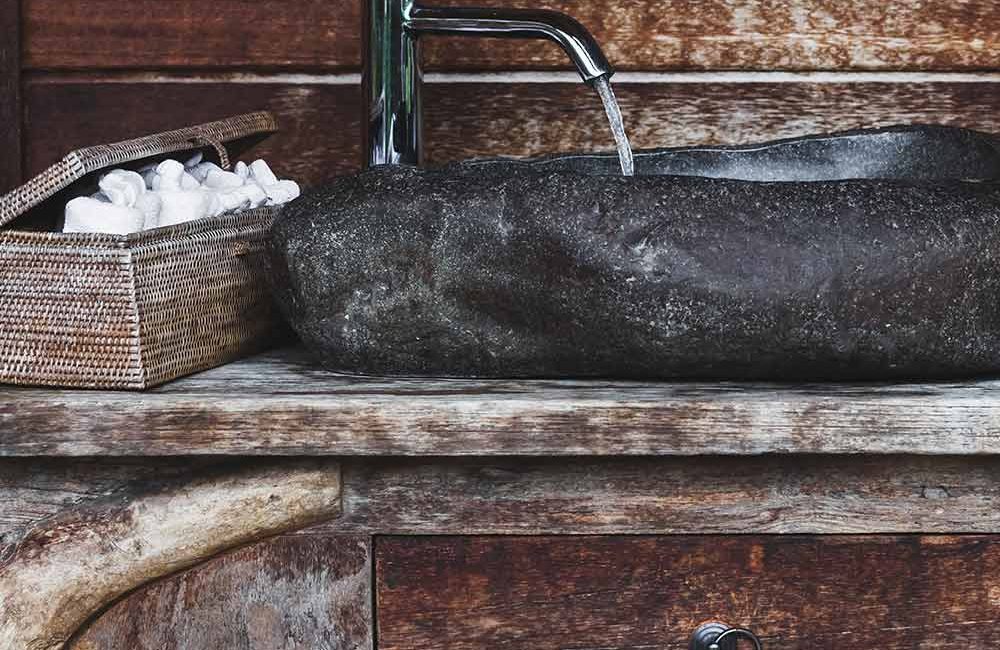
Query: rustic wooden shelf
<point>282,404</point>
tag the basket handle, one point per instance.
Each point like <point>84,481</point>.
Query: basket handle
<point>220,149</point>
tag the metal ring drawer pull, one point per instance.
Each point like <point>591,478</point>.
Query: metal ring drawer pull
<point>719,636</point>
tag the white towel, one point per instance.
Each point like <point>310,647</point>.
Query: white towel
<point>171,192</point>
<point>86,214</point>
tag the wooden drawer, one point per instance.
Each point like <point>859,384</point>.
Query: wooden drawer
<point>651,592</point>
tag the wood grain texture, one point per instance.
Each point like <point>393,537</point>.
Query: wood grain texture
<point>652,592</point>
<point>10,95</point>
<point>294,593</point>
<point>636,35</point>
<point>33,491</point>
<point>67,568</point>
<point>320,124</point>
<point>813,494</point>
<point>282,404</point>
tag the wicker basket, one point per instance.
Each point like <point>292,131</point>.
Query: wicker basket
<point>131,311</point>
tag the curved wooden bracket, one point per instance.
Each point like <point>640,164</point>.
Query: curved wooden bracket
<point>70,567</point>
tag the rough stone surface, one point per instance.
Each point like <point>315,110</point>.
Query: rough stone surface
<point>553,269</point>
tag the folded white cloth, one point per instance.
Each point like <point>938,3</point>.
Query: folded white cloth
<point>170,192</point>
<point>87,214</point>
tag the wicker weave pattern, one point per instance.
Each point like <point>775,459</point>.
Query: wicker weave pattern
<point>39,188</point>
<point>130,312</point>
<point>67,313</point>
<point>203,295</point>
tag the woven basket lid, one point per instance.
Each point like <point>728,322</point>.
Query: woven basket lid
<point>227,137</point>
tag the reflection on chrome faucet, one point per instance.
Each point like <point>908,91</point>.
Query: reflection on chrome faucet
<point>392,76</point>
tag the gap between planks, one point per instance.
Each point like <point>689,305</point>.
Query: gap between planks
<point>354,78</point>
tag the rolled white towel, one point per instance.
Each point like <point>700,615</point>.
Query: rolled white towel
<point>246,197</point>
<point>201,170</point>
<point>178,206</point>
<point>169,175</point>
<point>149,204</point>
<point>260,172</point>
<point>189,182</point>
<point>86,214</point>
<point>256,194</point>
<point>233,201</point>
<point>122,187</point>
<point>214,207</point>
<point>219,179</point>
<point>282,192</point>
<point>170,192</point>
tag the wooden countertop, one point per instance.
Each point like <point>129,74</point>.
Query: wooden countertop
<point>280,403</point>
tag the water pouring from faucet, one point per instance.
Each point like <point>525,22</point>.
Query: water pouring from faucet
<point>603,86</point>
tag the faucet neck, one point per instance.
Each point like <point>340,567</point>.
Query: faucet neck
<point>391,85</point>
<point>555,26</point>
<point>392,77</point>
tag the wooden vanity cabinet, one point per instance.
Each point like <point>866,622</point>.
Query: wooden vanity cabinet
<point>477,515</point>
<point>553,592</point>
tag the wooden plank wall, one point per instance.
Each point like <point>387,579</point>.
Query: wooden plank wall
<point>10,95</point>
<point>716,71</point>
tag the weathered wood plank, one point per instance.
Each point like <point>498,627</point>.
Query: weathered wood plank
<point>717,34</point>
<point>477,120</point>
<point>321,129</point>
<point>652,592</point>
<point>10,95</point>
<point>67,568</point>
<point>281,404</point>
<point>295,593</point>
<point>814,494</point>
<point>320,125</point>
<point>36,490</point>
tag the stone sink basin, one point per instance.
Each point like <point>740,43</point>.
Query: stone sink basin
<point>859,255</point>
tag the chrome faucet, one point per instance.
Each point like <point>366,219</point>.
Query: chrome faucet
<point>392,76</point>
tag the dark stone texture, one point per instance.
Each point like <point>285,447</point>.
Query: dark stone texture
<point>508,269</point>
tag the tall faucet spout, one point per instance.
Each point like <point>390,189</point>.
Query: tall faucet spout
<point>392,78</point>
<point>573,37</point>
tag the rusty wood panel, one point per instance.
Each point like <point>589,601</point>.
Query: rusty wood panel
<point>321,123</point>
<point>667,35</point>
<point>76,34</point>
<point>281,403</point>
<point>651,592</point>
<point>532,119</point>
<point>295,593</point>
<point>10,95</point>
<point>815,494</point>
